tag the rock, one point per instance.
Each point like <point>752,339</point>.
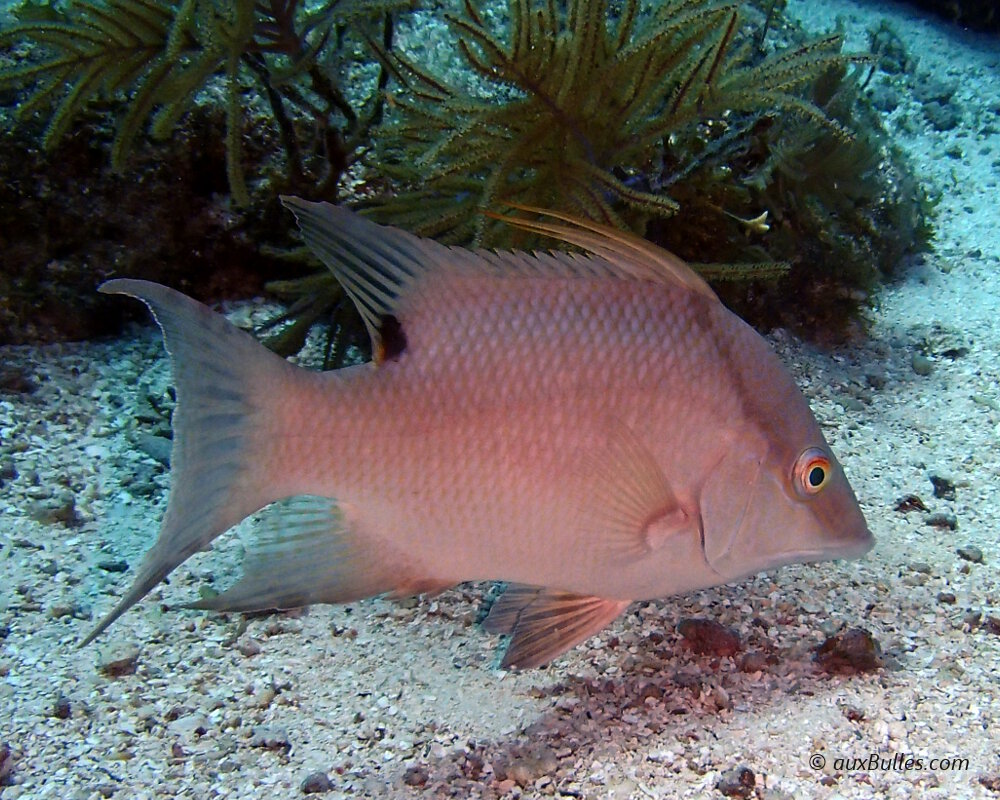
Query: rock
<point>120,661</point>
<point>6,764</point>
<point>942,520</point>
<point>248,647</point>
<point>316,783</point>
<point>971,553</point>
<point>850,652</point>
<point>415,776</point>
<point>708,637</point>
<point>271,739</point>
<point>944,488</point>
<point>921,364</point>
<point>530,766</point>
<point>946,598</point>
<point>992,625</point>
<point>754,661</point>
<point>15,380</point>
<point>61,509</point>
<point>156,447</point>
<point>113,565</point>
<point>737,782</point>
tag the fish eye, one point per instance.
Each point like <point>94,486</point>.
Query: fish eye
<point>812,471</point>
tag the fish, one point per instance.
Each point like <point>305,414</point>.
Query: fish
<point>591,427</point>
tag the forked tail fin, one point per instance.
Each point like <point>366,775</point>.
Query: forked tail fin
<point>228,389</point>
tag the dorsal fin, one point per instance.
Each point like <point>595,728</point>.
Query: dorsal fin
<point>377,264</point>
<point>631,254</point>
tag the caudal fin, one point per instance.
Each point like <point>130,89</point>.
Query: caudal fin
<point>225,382</point>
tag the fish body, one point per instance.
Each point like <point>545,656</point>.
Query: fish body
<point>594,429</point>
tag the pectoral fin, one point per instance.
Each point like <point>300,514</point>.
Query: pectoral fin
<point>627,501</point>
<point>545,623</point>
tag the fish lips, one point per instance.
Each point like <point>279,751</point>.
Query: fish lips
<point>754,524</point>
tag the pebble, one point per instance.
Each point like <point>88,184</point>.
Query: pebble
<point>415,776</point>
<point>156,447</point>
<point>754,661</point>
<point>708,637</point>
<point>271,739</point>
<point>946,598</point>
<point>737,782</point>
<point>971,553</point>
<point>921,364</point>
<point>119,661</point>
<point>854,650</point>
<point>942,520</point>
<point>909,502</point>
<point>316,783</point>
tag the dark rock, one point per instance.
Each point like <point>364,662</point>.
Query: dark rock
<point>316,783</point>
<point>922,567</point>
<point>113,565</point>
<point>910,502</point>
<point>8,472</point>
<point>942,520</point>
<point>942,117</point>
<point>971,553</point>
<point>992,625</point>
<point>853,713</point>
<point>15,380</point>
<point>61,708</point>
<point>708,637</point>
<point>156,447</point>
<point>737,782</point>
<point>852,651</point>
<point>946,598</point>
<point>415,776</point>
<point>943,487</point>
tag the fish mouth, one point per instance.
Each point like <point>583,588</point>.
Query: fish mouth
<point>842,551</point>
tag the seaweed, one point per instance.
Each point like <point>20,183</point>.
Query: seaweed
<point>156,56</point>
<point>593,109</point>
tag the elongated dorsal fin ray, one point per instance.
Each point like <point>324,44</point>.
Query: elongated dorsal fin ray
<point>632,254</point>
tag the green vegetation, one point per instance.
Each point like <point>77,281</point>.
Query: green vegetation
<point>675,119</point>
<point>155,56</point>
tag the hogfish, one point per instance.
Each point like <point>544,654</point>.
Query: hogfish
<point>594,428</point>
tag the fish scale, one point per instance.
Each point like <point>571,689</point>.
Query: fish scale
<point>594,429</point>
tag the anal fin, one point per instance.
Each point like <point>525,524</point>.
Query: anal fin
<point>309,550</point>
<point>545,623</point>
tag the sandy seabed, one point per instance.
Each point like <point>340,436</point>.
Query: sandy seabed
<point>382,699</point>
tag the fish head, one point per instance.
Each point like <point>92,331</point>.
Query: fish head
<point>778,495</point>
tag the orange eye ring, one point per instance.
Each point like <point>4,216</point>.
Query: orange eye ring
<point>812,472</point>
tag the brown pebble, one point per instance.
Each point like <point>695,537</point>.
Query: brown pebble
<point>61,709</point>
<point>992,625</point>
<point>946,598</point>
<point>708,637</point>
<point>853,713</point>
<point>248,647</point>
<point>737,782</point>
<point>316,783</point>
<point>910,502</point>
<point>754,661</point>
<point>122,662</point>
<point>854,650</point>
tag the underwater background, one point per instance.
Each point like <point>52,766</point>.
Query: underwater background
<point>875,270</point>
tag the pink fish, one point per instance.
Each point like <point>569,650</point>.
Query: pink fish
<point>593,428</point>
